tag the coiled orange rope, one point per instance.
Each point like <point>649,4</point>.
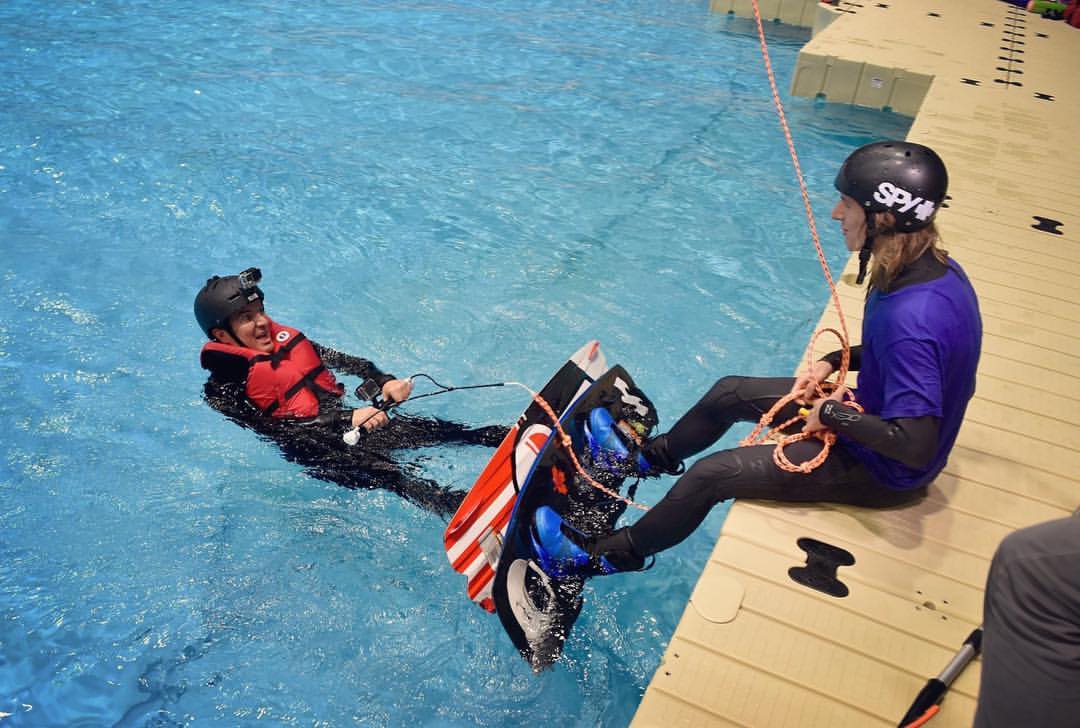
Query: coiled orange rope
<point>827,437</point>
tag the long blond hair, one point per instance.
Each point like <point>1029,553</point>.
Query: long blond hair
<point>892,251</point>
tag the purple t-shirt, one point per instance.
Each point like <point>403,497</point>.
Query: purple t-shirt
<point>920,349</point>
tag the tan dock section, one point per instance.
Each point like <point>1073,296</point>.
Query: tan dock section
<point>993,90</point>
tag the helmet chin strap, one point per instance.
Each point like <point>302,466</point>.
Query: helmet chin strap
<point>864,252</point>
<point>228,330</point>
<point>864,260</point>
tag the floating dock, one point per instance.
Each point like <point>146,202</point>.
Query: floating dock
<point>994,90</point>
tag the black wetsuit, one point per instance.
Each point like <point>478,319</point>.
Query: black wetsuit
<point>750,472</point>
<point>316,443</point>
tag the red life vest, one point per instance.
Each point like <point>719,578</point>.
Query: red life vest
<point>284,383</point>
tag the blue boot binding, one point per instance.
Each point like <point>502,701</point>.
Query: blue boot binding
<point>559,556</point>
<point>608,447</point>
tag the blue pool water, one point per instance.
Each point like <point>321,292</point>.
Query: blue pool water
<point>471,189</point>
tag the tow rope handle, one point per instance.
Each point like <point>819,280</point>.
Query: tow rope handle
<point>352,436</point>
<point>369,390</point>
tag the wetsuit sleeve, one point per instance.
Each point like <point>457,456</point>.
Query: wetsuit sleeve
<point>835,357</point>
<point>349,364</point>
<point>912,441</point>
<point>337,418</point>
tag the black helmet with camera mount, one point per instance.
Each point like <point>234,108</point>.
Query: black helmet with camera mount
<point>221,297</point>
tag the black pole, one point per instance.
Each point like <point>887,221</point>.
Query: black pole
<point>934,690</point>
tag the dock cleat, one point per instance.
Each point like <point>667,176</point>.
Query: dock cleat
<point>609,448</point>
<point>557,550</point>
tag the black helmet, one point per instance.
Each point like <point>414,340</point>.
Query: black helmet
<point>906,179</point>
<point>220,298</point>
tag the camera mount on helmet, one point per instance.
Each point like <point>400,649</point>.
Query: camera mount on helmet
<point>222,297</point>
<point>249,279</point>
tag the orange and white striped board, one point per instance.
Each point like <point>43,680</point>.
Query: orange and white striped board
<point>474,536</point>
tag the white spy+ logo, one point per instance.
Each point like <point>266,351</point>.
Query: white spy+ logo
<point>630,399</point>
<point>891,196</point>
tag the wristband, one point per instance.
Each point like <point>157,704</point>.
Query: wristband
<point>834,414</point>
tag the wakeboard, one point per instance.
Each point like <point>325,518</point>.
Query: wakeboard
<point>489,539</point>
<point>536,610</point>
<point>474,536</point>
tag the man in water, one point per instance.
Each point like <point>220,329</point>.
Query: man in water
<point>276,381</point>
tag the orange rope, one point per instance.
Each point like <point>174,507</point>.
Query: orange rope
<point>827,437</point>
<point>567,445</point>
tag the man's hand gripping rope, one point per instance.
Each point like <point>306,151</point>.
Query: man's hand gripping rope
<point>809,389</point>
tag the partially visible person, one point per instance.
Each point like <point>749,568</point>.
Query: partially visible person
<point>921,341</point>
<point>1031,630</point>
<point>275,380</point>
